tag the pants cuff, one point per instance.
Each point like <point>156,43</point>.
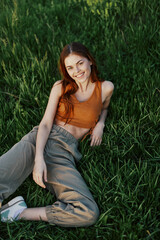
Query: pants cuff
<point>49,215</point>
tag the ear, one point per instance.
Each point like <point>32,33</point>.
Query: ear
<point>90,63</point>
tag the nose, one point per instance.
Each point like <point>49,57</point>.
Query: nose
<point>77,69</point>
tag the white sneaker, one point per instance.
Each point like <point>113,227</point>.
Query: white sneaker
<point>11,211</point>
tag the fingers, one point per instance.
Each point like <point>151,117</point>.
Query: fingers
<point>40,173</point>
<point>95,141</point>
<point>45,175</point>
<point>37,177</point>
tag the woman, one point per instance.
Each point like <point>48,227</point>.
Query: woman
<point>77,106</point>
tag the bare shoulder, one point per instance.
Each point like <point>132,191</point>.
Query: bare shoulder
<point>107,91</point>
<point>53,101</point>
<point>57,88</point>
<point>107,88</point>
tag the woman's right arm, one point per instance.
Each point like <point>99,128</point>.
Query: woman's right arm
<point>40,170</point>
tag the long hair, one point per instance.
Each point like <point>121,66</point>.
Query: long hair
<point>69,86</point>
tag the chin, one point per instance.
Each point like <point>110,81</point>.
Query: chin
<point>82,80</point>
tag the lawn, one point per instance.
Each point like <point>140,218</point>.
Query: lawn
<point>123,174</point>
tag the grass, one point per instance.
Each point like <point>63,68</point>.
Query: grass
<point>123,174</point>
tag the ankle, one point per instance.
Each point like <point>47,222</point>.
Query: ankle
<point>22,214</point>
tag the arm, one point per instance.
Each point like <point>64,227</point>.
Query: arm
<point>40,170</point>
<point>107,91</point>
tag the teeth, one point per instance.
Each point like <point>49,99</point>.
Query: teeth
<point>80,75</point>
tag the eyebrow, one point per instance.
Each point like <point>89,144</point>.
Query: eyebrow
<point>76,62</point>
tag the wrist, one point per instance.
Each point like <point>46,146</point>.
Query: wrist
<point>39,157</point>
<point>101,124</point>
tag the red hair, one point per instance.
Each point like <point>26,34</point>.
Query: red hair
<point>69,86</point>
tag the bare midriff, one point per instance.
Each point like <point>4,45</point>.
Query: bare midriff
<point>77,132</point>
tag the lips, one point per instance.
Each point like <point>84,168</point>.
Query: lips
<point>79,75</point>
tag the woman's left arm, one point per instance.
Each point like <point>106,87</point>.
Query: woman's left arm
<point>107,91</point>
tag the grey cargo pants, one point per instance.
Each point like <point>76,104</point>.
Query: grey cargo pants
<point>75,206</point>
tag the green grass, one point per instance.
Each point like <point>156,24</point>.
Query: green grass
<point>123,174</point>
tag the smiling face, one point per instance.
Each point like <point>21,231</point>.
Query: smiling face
<point>78,68</point>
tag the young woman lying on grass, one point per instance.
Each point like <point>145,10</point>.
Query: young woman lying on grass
<point>77,106</point>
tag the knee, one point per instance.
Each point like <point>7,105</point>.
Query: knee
<point>30,137</point>
<point>93,215</point>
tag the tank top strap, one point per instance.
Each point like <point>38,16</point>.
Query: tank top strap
<point>99,90</point>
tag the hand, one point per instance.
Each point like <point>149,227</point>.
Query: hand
<point>96,136</point>
<point>40,172</point>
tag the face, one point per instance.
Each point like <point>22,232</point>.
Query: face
<point>78,68</point>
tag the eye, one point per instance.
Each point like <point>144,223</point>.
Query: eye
<point>69,68</point>
<point>80,63</point>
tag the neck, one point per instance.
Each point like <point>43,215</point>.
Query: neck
<point>84,86</point>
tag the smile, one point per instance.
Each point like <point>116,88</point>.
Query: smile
<point>80,75</point>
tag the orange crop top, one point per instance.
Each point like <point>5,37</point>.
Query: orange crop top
<point>85,114</point>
